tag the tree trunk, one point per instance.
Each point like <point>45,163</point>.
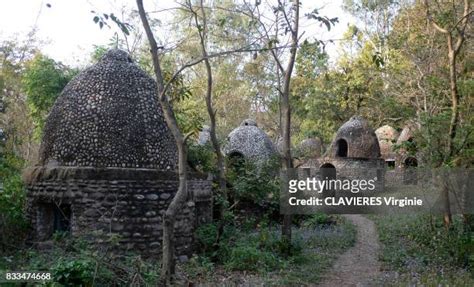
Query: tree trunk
<point>286,114</point>
<point>177,202</point>
<point>210,109</point>
<point>454,96</point>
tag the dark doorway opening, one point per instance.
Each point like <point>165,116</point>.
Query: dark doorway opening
<point>328,173</point>
<point>410,175</point>
<point>51,218</point>
<point>390,164</point>
<point>62,218</point>
<point>341,148</point>
<point>411,162</point>
<point>236,160</point>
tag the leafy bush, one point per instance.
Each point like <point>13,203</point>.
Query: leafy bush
<point>251,258</point>
<point>202,157</point>
<point>317,220</point>
<point>12,199</point>
<point>76,272</point>
<point>412,243</point>
<point>240,250</point>
<point>206,237</point>
<point>75,262</point>
<point>256,184</point>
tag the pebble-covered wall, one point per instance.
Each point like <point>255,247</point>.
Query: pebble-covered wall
<point>108,164</point>
<point>360,139</point>
<point>360,158</point>
<point>251,142</point>
<point>108,116</point>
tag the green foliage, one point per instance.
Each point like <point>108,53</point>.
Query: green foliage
<point>420,244</point>
<point>240,250</point>
<point>12,199</point>
<point>317,219</point>
<point>259,248</point>
<point>256,184</point>
<point>98,52</point>
<point>76,262</point>
<point>201,157</point>
<point>76,272</point>
<point>43,80</point>
<point>206,237</point>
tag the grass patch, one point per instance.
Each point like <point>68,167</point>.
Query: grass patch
<point>258,257</point>
<point>74,262</point>
<point>418,250</point>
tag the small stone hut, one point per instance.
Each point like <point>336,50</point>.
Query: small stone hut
<point>309,148</point>
<point>387,136</point>
<point>353,154</point>
<point>108,161</point>
<point>249,142</point>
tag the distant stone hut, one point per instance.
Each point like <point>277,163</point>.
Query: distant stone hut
<point>309,148</point>
<point>387,137</point>
<point>353,154</point>
<point>108,164</point>
<point>249,142</point>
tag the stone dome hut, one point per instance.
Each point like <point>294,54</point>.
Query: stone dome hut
<point>354,154</point>
<point>355,139</point>
<point>309,148</point>
<point>108,163</point>
<point>387,136</point>
<point>249,142</point>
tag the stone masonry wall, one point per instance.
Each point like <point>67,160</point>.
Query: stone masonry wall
<point>131,207</point>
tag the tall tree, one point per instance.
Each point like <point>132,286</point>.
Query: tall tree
<point>168,262</point>
<point>445,20</point>
<point>202,28</point>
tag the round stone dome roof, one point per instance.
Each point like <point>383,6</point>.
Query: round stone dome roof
<point>310,147</point>
<point>387,136</point>
<point>355,139</point>
<point>249,141</point>
<point>109,116</point>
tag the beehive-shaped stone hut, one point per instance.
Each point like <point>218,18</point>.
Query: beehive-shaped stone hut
<point>354,154</point>
<point>108,163</point>
<point>355,139</point>
<point>309,148</point>
<point>249,142</point>
<point>387,136</point>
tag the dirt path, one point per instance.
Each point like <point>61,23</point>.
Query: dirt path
<point>360,264</point>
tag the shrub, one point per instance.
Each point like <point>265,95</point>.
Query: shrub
<point>75,272</point>
<point>202,157</point>
<point>12,199</point>
<point>247,257</point>
<point>256,184</point>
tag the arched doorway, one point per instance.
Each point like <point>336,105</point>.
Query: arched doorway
<point>410,175</point>
<point>411,162</point>
<point>341,148</point>
<point>235,160</point>
<point>328,173</point>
